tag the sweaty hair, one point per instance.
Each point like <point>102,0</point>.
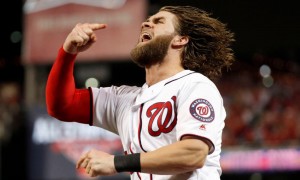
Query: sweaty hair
<point>208,50</point>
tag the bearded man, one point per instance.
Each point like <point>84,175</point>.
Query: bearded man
<point>171,127</point>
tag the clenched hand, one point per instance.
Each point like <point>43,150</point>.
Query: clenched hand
<point>81,37</point>
<point>97,163</point>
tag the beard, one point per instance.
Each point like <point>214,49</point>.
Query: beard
<point>152,52</point>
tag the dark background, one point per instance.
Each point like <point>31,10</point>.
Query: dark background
<point>270,28</point>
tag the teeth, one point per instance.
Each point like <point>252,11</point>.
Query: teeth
<point>146,36</point>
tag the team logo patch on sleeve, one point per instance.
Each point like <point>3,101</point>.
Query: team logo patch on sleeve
<point>202,110</point>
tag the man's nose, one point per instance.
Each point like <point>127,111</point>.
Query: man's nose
<point>146,25</point>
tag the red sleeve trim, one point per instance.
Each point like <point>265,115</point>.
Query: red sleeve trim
<point>91,107</point>
<point>204,139</point>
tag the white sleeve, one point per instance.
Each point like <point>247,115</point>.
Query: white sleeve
<point>104,107</point>
<point>201,113</point>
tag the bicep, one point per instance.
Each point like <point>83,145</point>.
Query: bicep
<point>76,109</point>
<point>202,143</point>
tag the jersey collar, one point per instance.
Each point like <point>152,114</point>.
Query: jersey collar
<point>147,93</point>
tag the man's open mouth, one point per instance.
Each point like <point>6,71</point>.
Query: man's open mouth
<point>145,37</point>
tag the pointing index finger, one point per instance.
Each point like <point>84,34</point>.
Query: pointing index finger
<point>97,26</point>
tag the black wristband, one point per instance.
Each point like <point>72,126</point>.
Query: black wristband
<point>129,163</point>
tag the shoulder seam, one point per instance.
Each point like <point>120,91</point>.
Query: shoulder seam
<point>179,78</point>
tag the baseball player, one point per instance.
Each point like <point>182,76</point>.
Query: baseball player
<point>171,127</point>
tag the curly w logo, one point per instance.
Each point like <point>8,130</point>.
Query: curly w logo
<point>162,117</point>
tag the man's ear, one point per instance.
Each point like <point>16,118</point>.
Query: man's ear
<point>180,40</point>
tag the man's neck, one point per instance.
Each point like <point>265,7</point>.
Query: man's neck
<point>158,72</point>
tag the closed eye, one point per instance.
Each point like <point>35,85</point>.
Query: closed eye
<point>159,20</point>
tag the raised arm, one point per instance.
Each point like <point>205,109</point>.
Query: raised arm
<point>63,100</point>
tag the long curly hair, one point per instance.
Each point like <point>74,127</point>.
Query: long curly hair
<point>209,48</point>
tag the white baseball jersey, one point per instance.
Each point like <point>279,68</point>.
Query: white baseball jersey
<point>147,118</point>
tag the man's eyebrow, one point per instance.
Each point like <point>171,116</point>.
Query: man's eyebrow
<point>155,18</point>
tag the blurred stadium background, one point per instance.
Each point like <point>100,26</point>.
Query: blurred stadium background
<point>261,91</point>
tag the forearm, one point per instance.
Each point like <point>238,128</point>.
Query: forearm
<point>180,157</point>
<point>60,85</point>
<point>63,100</point>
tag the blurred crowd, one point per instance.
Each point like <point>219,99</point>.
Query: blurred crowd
<point>260,115</point>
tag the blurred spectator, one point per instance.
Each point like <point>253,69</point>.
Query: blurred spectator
<point>258,115</point>
<point>9,109</point>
